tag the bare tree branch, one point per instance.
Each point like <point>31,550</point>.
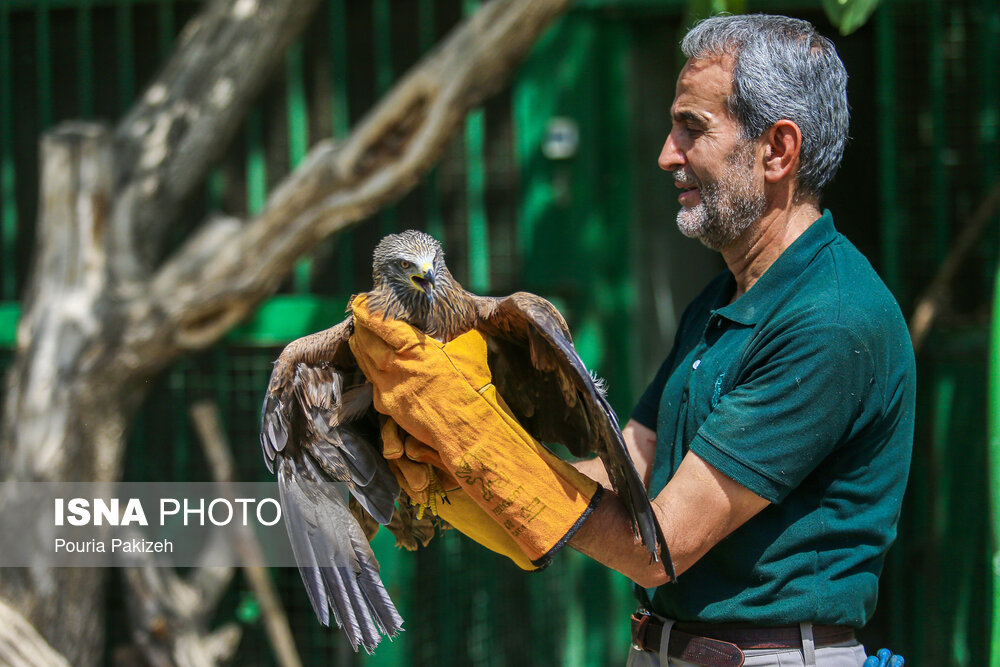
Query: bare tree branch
<point>187,116</point>
<point>169,615</point>
<point>339,185</point>
<point>208,424</point>
<point>21,646</point>
<point>933,298</point>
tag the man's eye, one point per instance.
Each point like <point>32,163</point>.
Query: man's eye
<point>403,264</point>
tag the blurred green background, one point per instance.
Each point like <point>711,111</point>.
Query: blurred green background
<point>587,222</point>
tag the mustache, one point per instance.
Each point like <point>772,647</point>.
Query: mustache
<point>686,179</point>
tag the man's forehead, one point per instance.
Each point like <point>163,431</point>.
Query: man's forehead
<point>703,86</point>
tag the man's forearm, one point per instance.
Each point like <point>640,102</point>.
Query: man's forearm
<point>607,537</point>
<point>696,509</point>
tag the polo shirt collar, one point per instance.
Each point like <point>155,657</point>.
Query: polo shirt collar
<point>779,276</point>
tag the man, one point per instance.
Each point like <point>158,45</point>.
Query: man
<point>775,438</point>
<point>783,417</point>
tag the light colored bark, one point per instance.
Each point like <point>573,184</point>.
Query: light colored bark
<point>63,417</point>
<point>187,116</point>
<point>169,614</point>
<point>21,646</point>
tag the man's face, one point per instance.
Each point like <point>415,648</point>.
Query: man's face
<point>719,172</point>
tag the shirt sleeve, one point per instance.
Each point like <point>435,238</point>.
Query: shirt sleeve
<point>802,391</point>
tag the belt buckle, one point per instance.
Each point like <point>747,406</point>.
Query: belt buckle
<point>639,634</point>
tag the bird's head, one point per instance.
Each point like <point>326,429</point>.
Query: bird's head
<point>410,265</point>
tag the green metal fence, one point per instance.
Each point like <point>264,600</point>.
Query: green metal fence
<point>593,232</point>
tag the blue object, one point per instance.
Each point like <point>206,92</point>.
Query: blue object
<point>884,658</point>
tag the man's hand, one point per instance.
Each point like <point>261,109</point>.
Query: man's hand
<point>421,475</point>
<point>442,395</point>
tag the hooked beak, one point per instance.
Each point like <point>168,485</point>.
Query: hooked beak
<point>424,280</point>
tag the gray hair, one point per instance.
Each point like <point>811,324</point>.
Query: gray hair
<point>783,69</point>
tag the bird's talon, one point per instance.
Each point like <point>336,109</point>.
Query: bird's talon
<point>434,490</point>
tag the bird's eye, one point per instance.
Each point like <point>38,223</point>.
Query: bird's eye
<point>403,264</point>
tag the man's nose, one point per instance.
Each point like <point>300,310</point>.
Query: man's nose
<point>671,157</point>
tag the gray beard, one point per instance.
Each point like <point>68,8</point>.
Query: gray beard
<point>729,205</point>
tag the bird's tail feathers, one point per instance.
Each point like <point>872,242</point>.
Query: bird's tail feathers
<point>339,570</point>
<point>379,602</point>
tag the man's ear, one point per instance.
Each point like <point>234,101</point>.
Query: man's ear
<point>781,150</point>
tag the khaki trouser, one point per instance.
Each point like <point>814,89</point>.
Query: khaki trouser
<point>848,654</point>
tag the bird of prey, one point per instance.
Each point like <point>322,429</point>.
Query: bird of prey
<point>319,425</point>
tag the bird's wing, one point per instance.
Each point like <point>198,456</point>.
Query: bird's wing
<point>320,431</point>
<point>541,377</point>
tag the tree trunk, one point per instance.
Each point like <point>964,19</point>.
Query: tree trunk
<point>65,410</point>
<point>102,313</point>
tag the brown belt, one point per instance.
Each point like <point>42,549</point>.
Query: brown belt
<point>714,645</point>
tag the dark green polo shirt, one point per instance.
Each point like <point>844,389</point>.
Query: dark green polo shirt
<point>802,390</point>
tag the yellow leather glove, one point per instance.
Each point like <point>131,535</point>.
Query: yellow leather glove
<point>419,471</point>
<point>442,395</point>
